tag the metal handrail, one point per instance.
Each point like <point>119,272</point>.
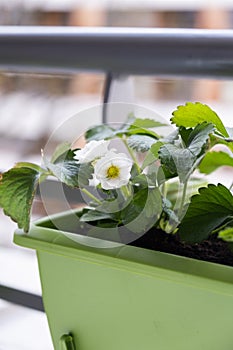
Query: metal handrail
<point>160,52</point>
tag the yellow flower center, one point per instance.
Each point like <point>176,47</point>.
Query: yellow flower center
<point>113,172</point>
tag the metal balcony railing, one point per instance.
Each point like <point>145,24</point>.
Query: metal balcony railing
<point>114,52</point>
<point>160,52</point>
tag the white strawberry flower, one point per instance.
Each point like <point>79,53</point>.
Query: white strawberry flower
<point>113,170</point>
<point>92,151</point>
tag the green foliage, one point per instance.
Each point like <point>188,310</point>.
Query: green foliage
<point>60,152</point>
<point>219,140</point>
<point>17,190</point>
<point>133,126</point>
<point>192,114</point>
<point>207,211</point>
<point>99,132</point>
<point>214,160</point>
<point>226,234</point>
<point>66,169</point>
<point>140,143</point>
<point>146,123</point>
<point>143,211</point>
<point>152,155</point>
<point>94,215</point>
<point>180,159</point>
<point>159,187</point>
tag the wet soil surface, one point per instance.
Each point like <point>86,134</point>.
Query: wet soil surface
<point>213,249</point>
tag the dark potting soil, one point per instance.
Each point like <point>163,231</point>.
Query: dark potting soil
<point>213,249</point>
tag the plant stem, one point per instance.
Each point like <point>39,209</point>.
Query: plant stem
<point>182,200</point>
<point>164,190</point>
<point>218,229</point>
<point>132,155</point>
<point>125,191</point>
<point>90,195</point>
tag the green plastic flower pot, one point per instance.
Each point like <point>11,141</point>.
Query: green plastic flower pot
<point>128,298</point>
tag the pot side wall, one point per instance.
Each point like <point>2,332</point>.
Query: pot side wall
<point>110,308</point>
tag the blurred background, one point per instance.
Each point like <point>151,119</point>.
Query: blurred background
<point>32,106</point>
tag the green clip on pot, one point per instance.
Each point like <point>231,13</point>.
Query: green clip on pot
<point>67,342</point>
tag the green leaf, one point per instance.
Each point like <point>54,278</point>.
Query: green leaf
<point>140,143</point>
<point>216,140</point>
<point>17,190</point>
<point>181,160</point>
<point>198,137</point>
<point>85,174</point>
<point>171,138</point>
<point>226,234</point>
<point>133,130</point>
<point>94,215</point>
<point>115,203</point>
<point>152,155</point>
<point>144,210</point>
<point>207,210</point>
<point>147,123</point>
<point>178,161</point>
<point>172,217</point>
<point>69,171</point>
<point>185,133</point>
<point>100,132</point>
<point>133,126</point>
<point>143,180</point>
<point>214,160</point>
<point>30,166</point>
<point>60,151</point>
<point>68,155</point>
<point>192,114</point>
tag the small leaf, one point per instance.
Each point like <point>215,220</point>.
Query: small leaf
<point>152,155</point>
<point>207,210</point>
<point>199,137</point>
<point>67,155</point>
<point>171,138</point>
<point>71,173</point>
<point>67,169</point>
<point>185,133</point>
<point>143,180</point>
<point>144,210</point>
<point>192,114</point>
<point>172,217</point>
<point>214,160</point>
<point>85,173</point>
<point>59,151</point>
<point>115,203</point>
<point>226,234</point>
<point>17,190</point>
<point>94,215</point>
<point>218,140</point>
<point>140,143</point>
<point>133,130</point>
<point>100,132</point>
<point>147,123</point>
<point>180,160</point>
